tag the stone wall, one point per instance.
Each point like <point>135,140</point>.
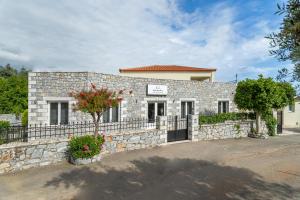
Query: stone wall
<point>19,156</point>
<point>134,140</point>
<point>11,118</point>
<point>225,130</point>
<point>45,87</point>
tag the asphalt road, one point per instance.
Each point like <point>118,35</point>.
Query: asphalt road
<point>225,169</point>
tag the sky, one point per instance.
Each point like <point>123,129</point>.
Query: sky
<point>105,35</point>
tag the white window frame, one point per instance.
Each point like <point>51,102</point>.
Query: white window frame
<point>186,109</point>
<point>291,106</point>
<point>155,107</point>
<point>59,111</point>
<point>222,106</point>
<point>110,115</point>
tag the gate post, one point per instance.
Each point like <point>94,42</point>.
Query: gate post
<point>161,125</point>
<point>193,127</point>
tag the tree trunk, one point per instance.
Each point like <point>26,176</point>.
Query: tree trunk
<point>96,123</point>
<point>258,120</point>
<point>96,129</point>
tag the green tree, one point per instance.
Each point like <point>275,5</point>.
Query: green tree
<point>13,90</point>
<point>7,71</point>
<point>262,96</point>
<point>95,102</point>
<point>286,43</point>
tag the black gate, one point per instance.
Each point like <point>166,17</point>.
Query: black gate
<point>279,122</point>
<point>177,128</point>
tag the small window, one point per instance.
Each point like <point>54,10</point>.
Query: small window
<point>111,115</point>
<point>59,113</point>
<point>187,108</point>
<point>292,108</point>
<point>156,109</point>
<point>115,114</point>
<point>223,106</point>
<point>53,113</point>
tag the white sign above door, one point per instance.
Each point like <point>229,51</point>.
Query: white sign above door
<point>157,89</point>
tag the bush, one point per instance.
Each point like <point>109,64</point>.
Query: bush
<point>86,146</point>
<point>3,125</point>
<point>222,117</point>
<point>271,123</point>
<point>25,118</point>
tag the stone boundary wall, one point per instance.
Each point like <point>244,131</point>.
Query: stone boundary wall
<point>11,118</point>
<point>20,156</point>
<point>225,130</point>
<point>24,155</point>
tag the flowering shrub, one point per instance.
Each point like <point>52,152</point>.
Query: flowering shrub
<point>86,146</point>
<point>96,101</point>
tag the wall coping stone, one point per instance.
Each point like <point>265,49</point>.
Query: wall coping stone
<point>33,143</point>
<point>227,123</point>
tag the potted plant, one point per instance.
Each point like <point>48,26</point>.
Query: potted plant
<point>85,149</point>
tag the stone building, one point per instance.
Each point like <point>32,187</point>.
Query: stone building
<point>49,101</point>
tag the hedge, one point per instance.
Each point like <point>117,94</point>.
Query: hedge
<point>222,117</point>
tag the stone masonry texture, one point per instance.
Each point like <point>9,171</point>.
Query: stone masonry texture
<point>45,87</point>
<point>34,153</point>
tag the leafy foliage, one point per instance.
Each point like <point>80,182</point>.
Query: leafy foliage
<point>25,118</point>
<point>3,125</point>
<point>222,117</point>
<point>96,101</point>
<point>286,43</point>
<point>271,123</point>
<point>262,96</point>
<point>13,89</point>
<point>85,146</point>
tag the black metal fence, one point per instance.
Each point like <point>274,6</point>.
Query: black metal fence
<point>37,131</point>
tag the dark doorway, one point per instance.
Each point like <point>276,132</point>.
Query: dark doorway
<point>279,122</point>
<point>177,128</point>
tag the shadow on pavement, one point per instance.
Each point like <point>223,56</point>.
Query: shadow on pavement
<point>161,178</point>
<point>295,130</point>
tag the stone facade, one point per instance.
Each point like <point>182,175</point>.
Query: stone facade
<point>11,118</point>
<point>45,87</point>
<point>225,130</point>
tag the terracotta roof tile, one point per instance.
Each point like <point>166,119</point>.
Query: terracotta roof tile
<point>166,68</point>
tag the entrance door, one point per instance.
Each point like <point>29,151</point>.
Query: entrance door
<point>279,122</point>
<point>177,128</point>
<point>155,109</point>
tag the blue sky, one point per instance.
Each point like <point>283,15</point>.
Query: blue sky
<point>102,36</point>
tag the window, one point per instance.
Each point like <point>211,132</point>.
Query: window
<point>292,108</point>
<point>223,106</point>
<point>59,113</point>
<point>156,109</point>
<point>111,115</point>
<point>187,108</point>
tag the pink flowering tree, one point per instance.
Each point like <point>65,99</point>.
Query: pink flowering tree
<point>96,101</point>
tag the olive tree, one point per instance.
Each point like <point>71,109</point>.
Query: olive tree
<point>262,96</point>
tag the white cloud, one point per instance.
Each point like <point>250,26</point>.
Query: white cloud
<point>105,35</point>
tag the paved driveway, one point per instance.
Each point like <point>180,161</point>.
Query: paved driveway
<point>226,169</point>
